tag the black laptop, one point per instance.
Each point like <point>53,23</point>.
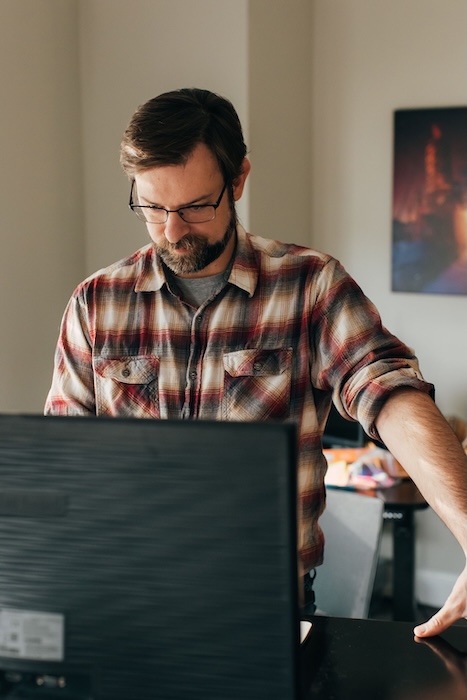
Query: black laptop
<point>146,560</point>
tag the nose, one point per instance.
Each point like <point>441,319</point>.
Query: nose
<point>175,227</point>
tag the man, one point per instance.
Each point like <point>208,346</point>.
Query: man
<point>209,322</point>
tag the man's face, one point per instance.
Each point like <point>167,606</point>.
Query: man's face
<point>191,250</point>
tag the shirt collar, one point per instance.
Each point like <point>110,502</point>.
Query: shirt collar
<point>152,276</point>
<point>244,272</point>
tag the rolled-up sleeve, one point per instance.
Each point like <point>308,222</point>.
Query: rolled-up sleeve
<point>355,356</point>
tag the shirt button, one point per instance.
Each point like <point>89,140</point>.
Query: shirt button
<point>193,374</point>
<point>126,372</point>
<point>257,367</point>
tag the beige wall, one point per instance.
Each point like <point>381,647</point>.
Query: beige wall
<point>315,83</point>
<point>279,111</point>
<point>131,50</point>
<point>370,57</point>
<point>42,251</point>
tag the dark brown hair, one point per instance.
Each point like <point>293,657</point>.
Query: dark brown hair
<point>166,129</point>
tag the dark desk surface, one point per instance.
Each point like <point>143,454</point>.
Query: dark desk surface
<point>346,659</point>
<point>404,494</point>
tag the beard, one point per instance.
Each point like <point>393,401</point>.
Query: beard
<point>198,253</point>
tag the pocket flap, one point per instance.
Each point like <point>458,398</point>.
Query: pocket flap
<point>128,370</point>
<point>257,363</point>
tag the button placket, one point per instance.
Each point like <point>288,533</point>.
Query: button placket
<point>192,374</point>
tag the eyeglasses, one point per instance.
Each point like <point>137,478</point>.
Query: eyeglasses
<point>192,214</point>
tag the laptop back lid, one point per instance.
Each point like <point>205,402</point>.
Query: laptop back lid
<point>148,559</point>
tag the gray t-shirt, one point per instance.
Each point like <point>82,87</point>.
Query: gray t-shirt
<point>197,290</point>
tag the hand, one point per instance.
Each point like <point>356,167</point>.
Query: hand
<point>454,609</point>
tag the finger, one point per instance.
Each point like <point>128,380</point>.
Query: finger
<point>454,608</point>
<point>443,619</point>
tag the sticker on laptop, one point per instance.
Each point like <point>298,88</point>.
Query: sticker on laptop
<point>27,634</point>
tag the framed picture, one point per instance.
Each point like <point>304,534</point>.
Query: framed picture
<point>429,209</point>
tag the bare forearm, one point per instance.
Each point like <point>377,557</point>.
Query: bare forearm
<point>419,437</point>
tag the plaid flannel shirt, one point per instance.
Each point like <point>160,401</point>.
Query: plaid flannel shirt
<point>288,332</point>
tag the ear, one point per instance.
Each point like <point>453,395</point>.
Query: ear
<point>239,183</point>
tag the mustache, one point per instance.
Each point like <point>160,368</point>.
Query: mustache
<point>188,242</point>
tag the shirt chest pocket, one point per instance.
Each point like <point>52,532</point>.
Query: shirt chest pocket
<point>257,384</point>
<point>127,386</point>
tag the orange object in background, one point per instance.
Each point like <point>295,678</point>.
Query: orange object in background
<point>362,467</point>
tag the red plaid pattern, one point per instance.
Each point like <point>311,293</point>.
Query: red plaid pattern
<point>289,331</point>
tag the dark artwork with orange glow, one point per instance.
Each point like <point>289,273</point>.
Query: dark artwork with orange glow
<point>429,217</point>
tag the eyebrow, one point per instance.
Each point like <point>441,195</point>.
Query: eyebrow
<point>198,200</point>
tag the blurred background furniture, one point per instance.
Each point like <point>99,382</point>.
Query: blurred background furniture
<point>400,504</point>
<point>352,525</point>
<point>400,500</point>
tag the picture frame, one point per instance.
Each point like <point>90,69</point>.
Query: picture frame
<point>429,204</point>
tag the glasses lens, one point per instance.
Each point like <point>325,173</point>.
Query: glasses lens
<point>151,216</point>
<point>198,214</point>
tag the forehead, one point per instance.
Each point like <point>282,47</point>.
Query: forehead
<point>174,184</point>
